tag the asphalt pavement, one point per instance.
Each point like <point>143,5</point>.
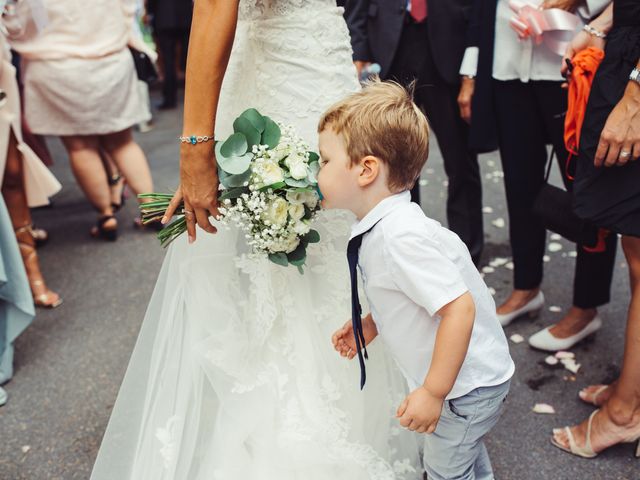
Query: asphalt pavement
<point>70,362</point>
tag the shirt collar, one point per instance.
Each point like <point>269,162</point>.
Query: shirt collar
<point>380,211</point>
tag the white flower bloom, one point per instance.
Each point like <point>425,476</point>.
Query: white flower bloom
<point>301,228</point>
<point>277,212</point>
<point>271,173</point>
<point>310,199</point>
<point>296,211</point>
<point>299,171</point>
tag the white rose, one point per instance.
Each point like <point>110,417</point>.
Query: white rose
<point>276,212</point>
<point>296,211</point>
<point>298,171</point>
<point>310,199</point>
<point>278,153</point>
<point>271,173</point>
<point>295,197</point>
<point>292,243</point>
<point>301,228</point>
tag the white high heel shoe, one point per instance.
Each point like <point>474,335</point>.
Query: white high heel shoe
<point>532,309</point>
<point>544,340</point>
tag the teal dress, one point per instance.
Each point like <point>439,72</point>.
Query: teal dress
<point>16,303</point>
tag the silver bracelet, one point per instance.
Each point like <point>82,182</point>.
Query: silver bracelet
<point>594,32</point>
<point>193,139</point>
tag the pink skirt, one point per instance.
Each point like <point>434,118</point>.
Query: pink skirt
<point>78,96</point>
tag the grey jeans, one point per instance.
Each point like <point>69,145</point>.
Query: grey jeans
<point>456,451</point>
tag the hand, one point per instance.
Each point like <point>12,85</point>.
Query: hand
<point>580,42</point>
<point>420,411</point>
<point>620,137</point>
<point>360,66</point>
<point>465,96</point>
<point>344,341</point>
<point>568,5</point>
<point>198,188</point>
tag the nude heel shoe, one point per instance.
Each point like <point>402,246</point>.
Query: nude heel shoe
<point>587,450</point>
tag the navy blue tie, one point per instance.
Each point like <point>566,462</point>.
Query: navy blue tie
<point>353,250</point>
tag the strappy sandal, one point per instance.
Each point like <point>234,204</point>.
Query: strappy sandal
<point>587,450</point>
<point>592,398</point>
<point>47,299</point>
<point>114,180</point>
<point>106,233</point>
<point>39,235</point>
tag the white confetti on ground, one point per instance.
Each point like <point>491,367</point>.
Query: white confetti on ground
<point>492,290</point>
<point>445,183</point>
<point>516,338</point>
<point>25,448</point>
<point>546,259</point>
<point>498,223</point>
<point>544,409</point>
<point>551,360</point>
<point>509,266</point>
<point>555,309</point>
<point>498,262</point>
<point>554,247</point>
<point>562,355</point>
<point>571,365</point>
<point>555,237</point>
<point>573,254</point>
<point>487,210</point>
<point>429,171</point>
<point>488,269</point>
<point>423,182</point>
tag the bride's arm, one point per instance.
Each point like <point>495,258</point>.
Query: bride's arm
<point>212,32</point>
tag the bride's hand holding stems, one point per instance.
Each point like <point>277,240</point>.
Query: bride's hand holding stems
<point>212,33</point>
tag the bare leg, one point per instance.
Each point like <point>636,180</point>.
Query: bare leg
<point>130,160</point>
<point>16,200</point>
<point>619,417</point>
<point>116,181</point>
<point>90,174</point>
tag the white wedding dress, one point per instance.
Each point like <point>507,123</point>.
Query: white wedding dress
<point>233,376</point>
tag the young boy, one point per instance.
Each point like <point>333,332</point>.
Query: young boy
<point>428,302</point>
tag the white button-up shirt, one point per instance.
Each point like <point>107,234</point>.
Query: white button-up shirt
<point>411,267</point>
<point>523,60</point>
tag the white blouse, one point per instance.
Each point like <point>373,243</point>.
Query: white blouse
<point>523,60</point>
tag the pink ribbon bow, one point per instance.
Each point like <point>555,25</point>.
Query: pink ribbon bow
<point>555,27</point>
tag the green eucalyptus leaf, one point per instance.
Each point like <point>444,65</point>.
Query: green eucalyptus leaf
<point>292,182</point>
<point>234,146</point>
<point>298,256</point>
<point>235,165</point>
<point>255,118</point>
<point>233,181</point>
<point>312,237</point>
<point>244,126</point>
<point>271,135</point>
<point>273,186</point>
<point>233,193</point>
<point>313,157</point>
<point>279,258</point>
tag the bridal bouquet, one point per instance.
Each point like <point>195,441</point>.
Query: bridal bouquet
<point>268,188</point>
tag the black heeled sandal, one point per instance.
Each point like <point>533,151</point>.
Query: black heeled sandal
<point>99,231</point>
<point>114,181</point>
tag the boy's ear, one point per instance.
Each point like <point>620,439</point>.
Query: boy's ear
<point>370,169</point>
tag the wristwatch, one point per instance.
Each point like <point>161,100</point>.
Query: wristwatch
<point>635,75</point>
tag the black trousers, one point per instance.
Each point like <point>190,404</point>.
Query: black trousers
<point>530,116</point>
<point>438,99</point>
<point>168,40</point>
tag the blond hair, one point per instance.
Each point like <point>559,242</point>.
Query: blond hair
<point>382,120</point>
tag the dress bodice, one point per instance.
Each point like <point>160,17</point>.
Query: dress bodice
<point>255,9</point>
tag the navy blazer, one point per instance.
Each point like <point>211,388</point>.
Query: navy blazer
<point>376,27</point>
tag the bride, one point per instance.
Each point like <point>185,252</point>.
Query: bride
<point>233,376</point>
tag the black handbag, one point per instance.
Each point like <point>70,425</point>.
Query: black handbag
<point>145,68</point>
<point>554,206</point>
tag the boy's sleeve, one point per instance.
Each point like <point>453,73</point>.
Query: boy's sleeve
<point>423,273</point>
